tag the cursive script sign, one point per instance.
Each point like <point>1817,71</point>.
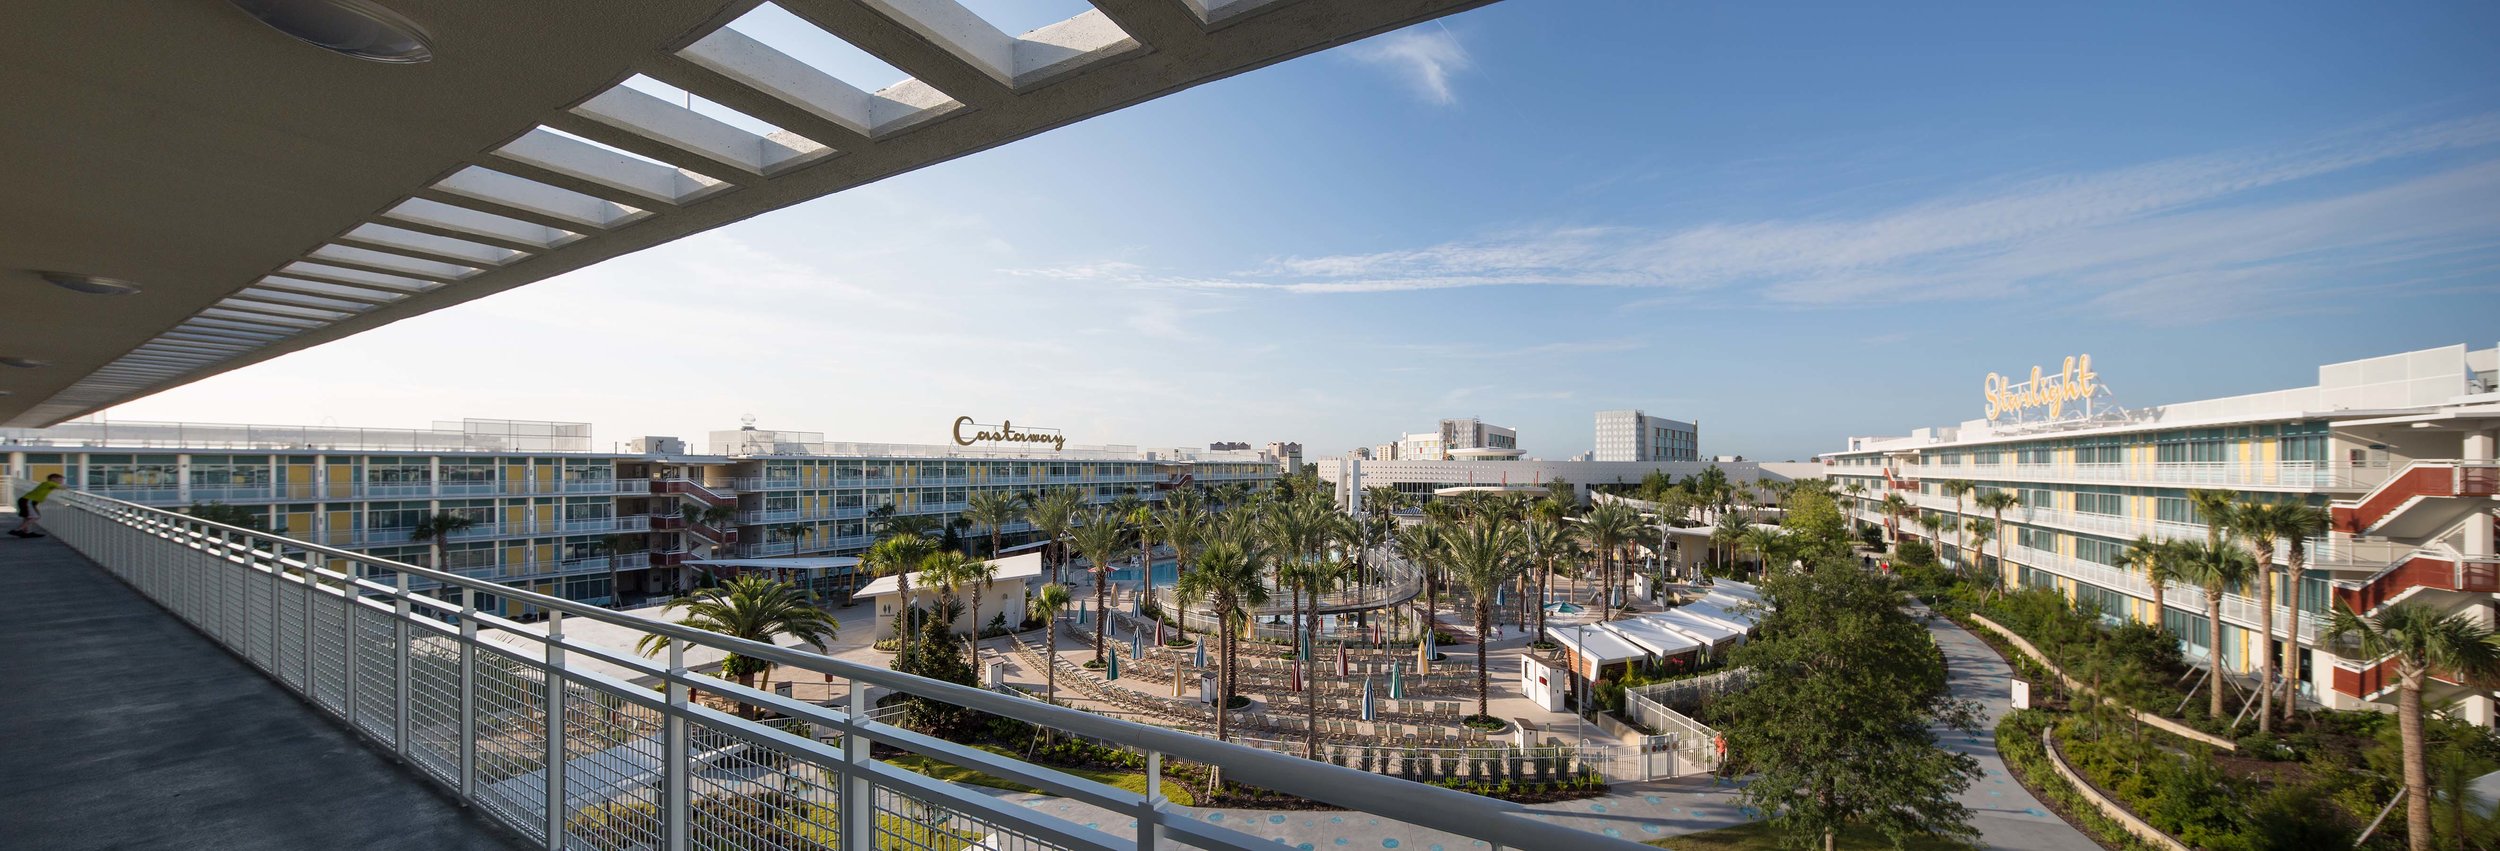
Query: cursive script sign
<point>1004,432</point>
<point>2074,383</point>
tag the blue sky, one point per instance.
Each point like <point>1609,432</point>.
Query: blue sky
<point>1794,223</point>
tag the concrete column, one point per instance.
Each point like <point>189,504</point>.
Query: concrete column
<point>2478,708</point>
<point>182,478</point>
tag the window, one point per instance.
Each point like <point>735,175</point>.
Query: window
<point>2038,539</point>
<point>2099,502</point>
<point>383,516</point>
<point>2036,453</point>
<point>2111,604</point>
<point>2174,509</point>
<point>2041,498</point>
<point>2189,626</point>
<point>2099,551</point>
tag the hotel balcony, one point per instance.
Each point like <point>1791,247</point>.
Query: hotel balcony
<point>329,491</point>
<point>321,678</point>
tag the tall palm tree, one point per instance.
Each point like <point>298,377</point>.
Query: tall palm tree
<point>753,608</point>
<point>1545,541</point>
<point>993,509</point>
<point>2301,522</point>
<point>1609,528</point>
<point>1420,545</point>
<point>2214,507</point>
<point>1934,524</point>
<point>1234,586</point>
<point>1053,513</point>
<point>1894,508</point>
<point>1483,555</point>
<point>1857,503</point>
<point>1960,490</point>
<point>2421,642</point>
<point>2147,556</point>
<point>616,546</point>
<point>1996,501</point>
<point>1730,532</point>
<point>1182,524</point>
<point>2217,569</point>
<point>437,528</point>
<point>1981,529</point>
<point>1761,540</point>
<point>897,557</point>
<point>2260,525</point>
<point>1101,540</point>
<point>1045,607</point>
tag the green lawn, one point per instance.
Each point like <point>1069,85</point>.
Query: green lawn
<point>1134,781</point>
<point>1758,837</point>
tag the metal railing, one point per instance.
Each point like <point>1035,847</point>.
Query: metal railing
<point>573,758</point>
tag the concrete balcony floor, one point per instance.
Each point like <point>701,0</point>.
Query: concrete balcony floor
<point>122,728</point>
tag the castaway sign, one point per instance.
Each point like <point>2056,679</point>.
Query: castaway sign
<point>2054,391</point>
<point>968,433</point>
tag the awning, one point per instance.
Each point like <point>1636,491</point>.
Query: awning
<point>1654,636</point>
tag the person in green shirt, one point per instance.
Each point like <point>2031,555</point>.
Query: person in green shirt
<point>30,506</point>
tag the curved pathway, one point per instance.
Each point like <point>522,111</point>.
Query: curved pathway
<point>2005,813</point>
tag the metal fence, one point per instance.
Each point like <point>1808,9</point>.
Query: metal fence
<point>572,758</point>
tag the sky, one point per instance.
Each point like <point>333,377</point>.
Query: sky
<point>1792,222</point>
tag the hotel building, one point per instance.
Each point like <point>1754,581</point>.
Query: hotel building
<point>1468,439</point>
<point>2399,449</point>
<point>1637,436</point>
<point>551,515</point>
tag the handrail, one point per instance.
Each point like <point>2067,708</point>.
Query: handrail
<point>293,563</point>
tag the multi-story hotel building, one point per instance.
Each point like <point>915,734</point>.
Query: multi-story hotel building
<point>551,515</point>
<point>1637,436</point>
<point>1468,439</point>
<point>2399,448</point>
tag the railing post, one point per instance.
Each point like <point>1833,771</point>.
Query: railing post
<point>311,589</point>
<point>347,643</point>
<point>677,782</point>
<point>468,694</point>
<point>1150,810</point>
<point>400,663</point>
<point>555,730</point>
<point>277,612</point>
<point>858,803</point>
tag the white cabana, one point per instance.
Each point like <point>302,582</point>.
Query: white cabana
<point>1593,647</point>
<point>1654,636</point>
<point>1708,630</point>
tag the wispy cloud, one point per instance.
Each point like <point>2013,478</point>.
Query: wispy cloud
<point>2240,220</point>
<point>1426,58</point>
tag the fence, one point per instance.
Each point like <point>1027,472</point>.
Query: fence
<point>572,758</point>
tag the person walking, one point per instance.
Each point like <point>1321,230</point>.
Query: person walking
<point>30,507</point>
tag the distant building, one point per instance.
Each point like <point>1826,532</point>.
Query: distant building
<point>1468,439</point>
<point>1228,446</point>
<point>1636,436</point>
<point>1287,454</point>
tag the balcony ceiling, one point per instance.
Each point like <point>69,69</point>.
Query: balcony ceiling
<point>268,195</point>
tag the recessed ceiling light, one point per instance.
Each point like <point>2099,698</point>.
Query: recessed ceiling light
<point>354,27</point>
<point>90,284</point>
<point>23,363</point>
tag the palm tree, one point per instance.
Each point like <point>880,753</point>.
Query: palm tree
<point>1996,501</point>
<point>1420,545</point>
<point>616,546</point>
<point>1545,540</point>
<point>1053,514</point>
<point>2217,569</point>
<point>1730,532</point>
<point>1609,528</point>
<point>1140,518</point>
<point>1232,581</point>
<point>1100,539</point>
<point>897,557</point>
<point>993,509</point>
<point>1894,508</point>
<point>2420,642</point>
<point>1934,524</point>
<point>2301,522</point>
<point>437,529</point>
<point>1761,540</point>
<point>2260,525</point>
<point>1484,555</point>
<point>1959,489</point>
<point>1857,503</point>
<point>1183,525</point>
<point>1045,607</point>
<point>2214,507</point>
<point>1982,529</point>
<point>753,608</point>
<point>2145,555</point>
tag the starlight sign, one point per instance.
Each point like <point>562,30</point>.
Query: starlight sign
<point>1006,432</point>
<point>2074,383</point>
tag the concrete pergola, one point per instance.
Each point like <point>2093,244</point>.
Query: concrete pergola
<point>265,195</point>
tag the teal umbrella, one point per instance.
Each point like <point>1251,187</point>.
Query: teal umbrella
<point>1136,644</point>
<point>1397,682</point>
<point>1202,653</point>
<point>1110,666</point>
<point>1370,712</point>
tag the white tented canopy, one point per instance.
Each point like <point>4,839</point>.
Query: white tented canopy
<point>1654,636</point>
<point>1710,630</point>
<point>1596,647</point>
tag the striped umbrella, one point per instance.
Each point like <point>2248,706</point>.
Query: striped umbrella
<point>1397,683</point>
<point>1343,669</point>
<point>1423,660</point>
<point>1297,677</point>
<point>1110,666</point>
<point>1137,644</point>
<point>1370,712</point>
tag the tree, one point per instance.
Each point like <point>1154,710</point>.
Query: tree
<point>1545,540</point>
<point>437,529</point>
<point>1101,540</point>
<point>2300,523</point>
<point>1483,555</point>
<point>752,608</point>
<point>1996,501</point>
<point>1053,514</point>
<point>897,557</point>
<point>1959,489</point>
<point>616,546</point>
<point>1183,524</point>
<point>993,510</point>
<point>1981,529</point>
<point>1234,588</point>
<point>1815,529</point>
<point>1894,508</point>
<point>233,515</point>
<point>2260,525</point>
<point>1045,607</point>
<point>2420,642</point>
<point>1761,540</point>
<point>1839,721</point>
<point>1420,545</point>
<point>2216,569</point>
<point>1609,528</point>
<point>1730,532</point>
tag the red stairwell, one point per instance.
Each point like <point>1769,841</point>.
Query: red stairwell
<point>699,492</point>
<point>2446,573</point>
<point>2418,479</point>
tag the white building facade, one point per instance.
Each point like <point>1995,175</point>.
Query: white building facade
<point>1636,436</point>
<point>2399,449</point>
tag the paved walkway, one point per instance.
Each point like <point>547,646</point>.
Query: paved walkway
<point>2005,813</point>
<point>122,728</point>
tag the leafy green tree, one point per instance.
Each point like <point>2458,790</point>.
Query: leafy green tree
<point>898,557</point>
<point>2419,641</point>
<point>1053,513</point>
<point>753,608</point>
<point>2217,569</point>
<point>1816,530</point>
<point>1045,607</point>
<point>1996,501</point>
<point>1839,722</point>
<point>1101,540</point>
<point>1609,528</point>
<point>993,510</point>
<point>1234,586</point>
<point>1483,555</point>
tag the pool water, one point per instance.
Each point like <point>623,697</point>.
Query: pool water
<point>1164,573</point>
